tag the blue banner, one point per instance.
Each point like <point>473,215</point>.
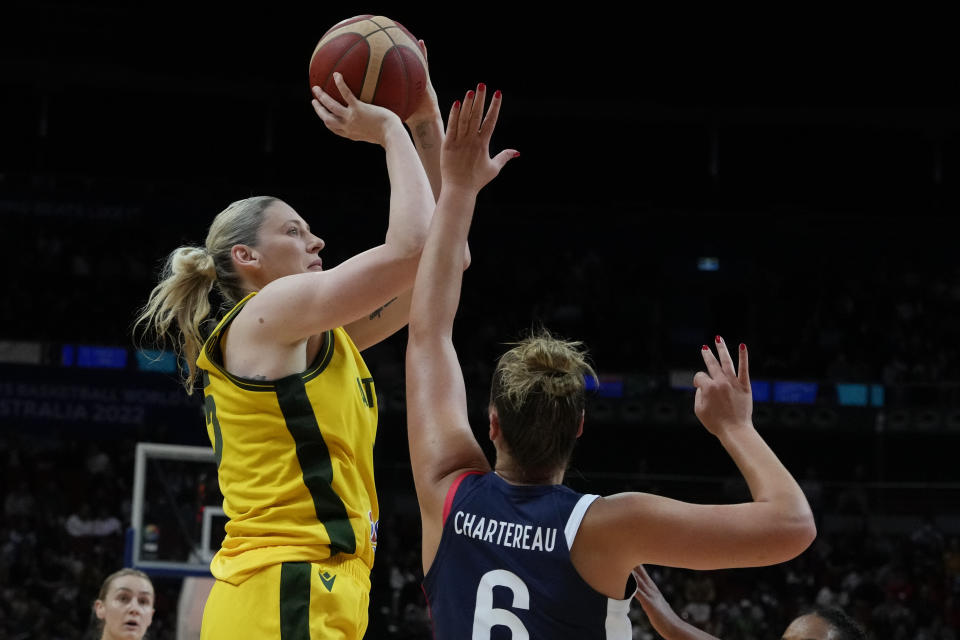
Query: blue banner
<point>69,397</point>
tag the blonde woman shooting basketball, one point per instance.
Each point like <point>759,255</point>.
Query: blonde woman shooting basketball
<point>291,407</point>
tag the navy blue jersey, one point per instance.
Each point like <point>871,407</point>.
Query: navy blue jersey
<point>503,567</point>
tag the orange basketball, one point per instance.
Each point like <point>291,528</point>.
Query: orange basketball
<point>380,61</point>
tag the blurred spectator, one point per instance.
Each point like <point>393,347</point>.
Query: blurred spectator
<point>84,524</point>
<point>98,462</point>
<point>896,585</point>
<point>19,503</point>
<point>698,589</point>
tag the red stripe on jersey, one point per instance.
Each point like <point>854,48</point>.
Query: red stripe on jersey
<point>452,491</point>
<point>426,598</point>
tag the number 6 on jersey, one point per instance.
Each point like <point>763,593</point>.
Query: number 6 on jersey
<point>486,616</point>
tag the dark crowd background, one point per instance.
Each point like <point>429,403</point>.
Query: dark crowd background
<point>815,161</point>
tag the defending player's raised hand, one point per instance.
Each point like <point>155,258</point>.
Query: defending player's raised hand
<point>357,120</point>
<point>723,399</point>
<point>465,158</point>
<point>659,612</point>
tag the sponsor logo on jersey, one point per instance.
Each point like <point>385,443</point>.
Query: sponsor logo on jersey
<point>366,391</point>
<point>374,530</point>
<point>327,579</point>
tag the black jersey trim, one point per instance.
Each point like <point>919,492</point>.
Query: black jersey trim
<point>215,356</point>
<point>315,463</point>
<point>295,601</point>
<point>324,356</point>
<point>210,413</point>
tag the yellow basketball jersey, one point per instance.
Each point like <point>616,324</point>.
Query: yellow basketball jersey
<point>294,458</point>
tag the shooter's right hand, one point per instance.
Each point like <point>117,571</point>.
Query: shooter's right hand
<point>357,120</point>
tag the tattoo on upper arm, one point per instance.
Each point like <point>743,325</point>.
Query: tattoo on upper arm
<point>379,312</point>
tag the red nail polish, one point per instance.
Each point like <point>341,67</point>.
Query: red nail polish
<point>516,154</point>
<point>481,87</point>
<point>497,94</point>
<point>470,93</point>
<point>456,105</point>
<point>706,348</point>
<point>743,347</point>
<point>718,339</point>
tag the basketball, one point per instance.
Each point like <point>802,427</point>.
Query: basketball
<point>379,59</point>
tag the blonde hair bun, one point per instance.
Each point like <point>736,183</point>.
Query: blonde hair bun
<point>193,260</point>
<point>556,367</point>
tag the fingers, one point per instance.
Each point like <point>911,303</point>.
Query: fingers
<point>329,103</point>
<point>476,115</point>
<point>471,117</point>
<point>641,574</point>
<point>465,113</point>
<point>646,588</point>
<point>504,157</point>
<point>319,108</point>
<point>493,113</point>
<point>453,121</point>
<point>713,365</point>
<point>331,121</point>
<point>700,379</point>
<point>345,91</point>
<point>744,367</point>
<point>726,362</point>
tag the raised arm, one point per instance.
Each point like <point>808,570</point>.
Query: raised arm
<point>638,528</point>
<point>442,444</point>
<point>350,294</point>
<point>411,200</point>
<point>426,129</point>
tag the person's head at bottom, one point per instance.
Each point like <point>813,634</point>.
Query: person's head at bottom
<point>124,607</point>
<point>537,407</point>
<point>824,624</point>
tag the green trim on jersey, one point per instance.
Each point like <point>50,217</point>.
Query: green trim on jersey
<point>210,413</point>
<point>314,458</point>
<point>295,600</point>
<point>215,355</point>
